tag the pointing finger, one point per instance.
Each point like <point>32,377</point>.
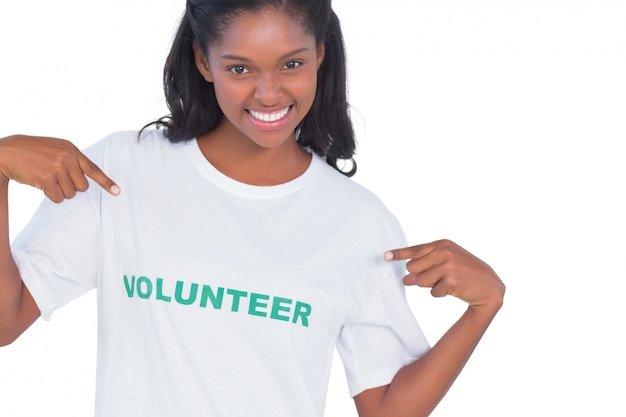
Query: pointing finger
<point>95,173</point>
<point>411,252</point>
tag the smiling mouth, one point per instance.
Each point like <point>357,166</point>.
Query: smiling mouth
<point>269,117</point>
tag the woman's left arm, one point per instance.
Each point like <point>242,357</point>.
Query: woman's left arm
<point>447,269</point>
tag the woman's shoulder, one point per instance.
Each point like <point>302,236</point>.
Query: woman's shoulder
<point>345,191</point>
<point>138,138</point>
<point>356,205</point>
<point>343,187</point>
<point>128,142</point>
<point>128,149</point>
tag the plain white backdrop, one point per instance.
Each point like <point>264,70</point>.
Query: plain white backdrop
<point>497,124</point>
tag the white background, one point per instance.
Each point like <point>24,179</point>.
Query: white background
<point>497,124</point>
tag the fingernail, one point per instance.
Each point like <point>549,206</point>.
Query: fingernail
<point>388,256</point>
<point>115,190</point>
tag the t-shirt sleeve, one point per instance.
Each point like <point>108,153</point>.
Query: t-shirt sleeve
<point>386,336</point>
<point>387,339</point>
<point>57,251</point>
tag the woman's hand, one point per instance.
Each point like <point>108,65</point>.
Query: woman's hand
<point>448,269</point>
<point>55,166</point>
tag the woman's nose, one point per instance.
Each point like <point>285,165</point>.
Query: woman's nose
<point>268,90</point>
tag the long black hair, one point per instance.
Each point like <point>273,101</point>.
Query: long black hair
<point>327,129</point>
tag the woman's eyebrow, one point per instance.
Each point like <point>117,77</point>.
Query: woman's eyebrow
<point>244,59</point>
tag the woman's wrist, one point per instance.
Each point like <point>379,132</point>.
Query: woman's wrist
<point>487,309</point>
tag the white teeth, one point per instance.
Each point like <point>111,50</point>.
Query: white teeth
<point>269,117</point>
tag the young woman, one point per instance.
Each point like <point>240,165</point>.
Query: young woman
<point>232,253</point>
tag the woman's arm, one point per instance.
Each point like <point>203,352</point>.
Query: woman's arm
<point>447,269</point>
<point>59,169</point>
<point>17,307</point>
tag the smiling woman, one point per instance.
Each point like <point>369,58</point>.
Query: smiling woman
<point>238,73</point>
<point>264,94</point>
<point>498,124</point>
<point>245,191</point>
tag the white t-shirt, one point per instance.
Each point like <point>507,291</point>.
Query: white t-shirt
<point>218,298</point>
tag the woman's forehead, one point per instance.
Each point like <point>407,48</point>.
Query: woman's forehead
<point>266,29</point>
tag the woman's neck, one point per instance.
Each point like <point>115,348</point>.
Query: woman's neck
<point>240,158</point>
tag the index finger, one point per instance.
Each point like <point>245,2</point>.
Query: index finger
<point>411,252</point>
<point>94,172</point>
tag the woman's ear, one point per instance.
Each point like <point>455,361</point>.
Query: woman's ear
<point>321,52</point>
<point>202,63</point>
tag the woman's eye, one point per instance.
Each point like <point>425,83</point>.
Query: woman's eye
<point>293,64</point>
<point>238,69</point>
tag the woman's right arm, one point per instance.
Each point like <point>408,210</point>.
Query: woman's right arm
<point>60,170</point>
<point>17,307</point>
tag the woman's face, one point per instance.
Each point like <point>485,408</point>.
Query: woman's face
<point>264,71</point>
